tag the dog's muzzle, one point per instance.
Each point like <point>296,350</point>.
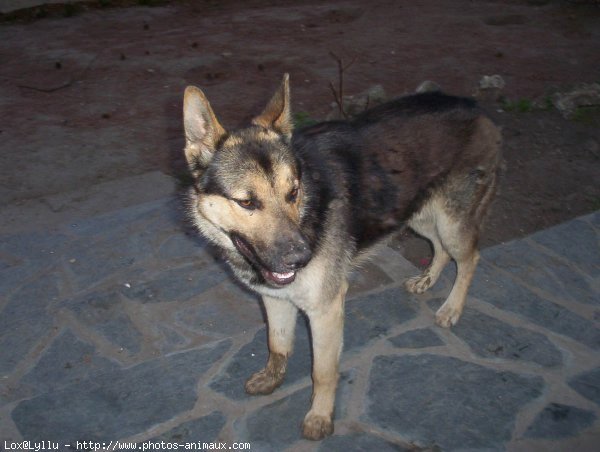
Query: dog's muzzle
<point>295,256</point>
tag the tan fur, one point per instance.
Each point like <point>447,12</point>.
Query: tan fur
<point>327,325</point>
<point>282,324</point>
<point>258,225</point>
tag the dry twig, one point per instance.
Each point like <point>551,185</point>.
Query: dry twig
<point>338,95</point>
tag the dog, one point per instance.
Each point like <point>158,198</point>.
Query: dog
<point>294,211</point>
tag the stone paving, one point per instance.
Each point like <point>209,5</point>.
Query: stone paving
<point>127,327</point>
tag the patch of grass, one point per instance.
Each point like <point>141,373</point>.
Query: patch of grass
<point>303,119</point>
<point>587,115</point>
<point>548,104</point>
<point>520,105</point>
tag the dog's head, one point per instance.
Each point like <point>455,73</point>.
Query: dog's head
<point>248,195</point>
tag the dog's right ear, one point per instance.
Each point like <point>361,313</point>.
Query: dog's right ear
<point>202,130</point>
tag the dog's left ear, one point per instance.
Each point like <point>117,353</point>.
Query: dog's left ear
<point>277,115</point>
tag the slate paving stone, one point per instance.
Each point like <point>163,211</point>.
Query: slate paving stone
<point>201,430</point>
<point>18,340</point>
<point>557,421</point>
<point>121,219</point>
<point>594,219</point>
<point>67,361</point>
<point>116,404</point>
<point>489,337</point>
<point>170,339</point>
<point>181,246</point>
<point>17,275</point>
<point>371,317</point>
<point>24,320</point>
<point>176,284</point>
<point>30,301</point>
<point>424,337</point>
<point>149,226</point>
<point>437,400</point>
<point>105,312</point>
<point>577,241</point>
<point>367,277</point>
<point>539,269</point>
<point>358,442</point>
<point>505,293</point>
<point>252,357</point>
<point>224,310</point>
<point>588,385</point>
<point>93,261</point>
<point>33,246</point>
<point>6,263</point>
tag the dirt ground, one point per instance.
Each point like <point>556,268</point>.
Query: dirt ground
<point>90,95</point>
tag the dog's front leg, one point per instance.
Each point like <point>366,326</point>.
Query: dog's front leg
<point>327,328</point>
<point>281,320</point>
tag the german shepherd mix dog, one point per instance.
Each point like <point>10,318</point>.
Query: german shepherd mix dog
<point>294,211</point>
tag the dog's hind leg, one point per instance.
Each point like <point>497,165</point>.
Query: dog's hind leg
<point>327,330</point>
<point>458,226</point>
<point>281,319</point>
<point>460,240</point>
<point>424,224</point>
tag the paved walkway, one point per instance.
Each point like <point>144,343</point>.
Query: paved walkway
<point>125,327</point>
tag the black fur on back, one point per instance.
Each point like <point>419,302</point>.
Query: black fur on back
<point>384,164</point>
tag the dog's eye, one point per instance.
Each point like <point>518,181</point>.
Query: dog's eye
<point>246,203</point>
<point>293,195</point>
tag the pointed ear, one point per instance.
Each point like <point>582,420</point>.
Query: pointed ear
<point>202,130</point>
<point>277,115</point>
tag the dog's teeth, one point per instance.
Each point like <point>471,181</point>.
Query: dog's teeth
<point>283,275</point>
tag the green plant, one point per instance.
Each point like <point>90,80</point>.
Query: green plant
<point>520,105</point>
<point>586,115</point>
<point>303,119</point>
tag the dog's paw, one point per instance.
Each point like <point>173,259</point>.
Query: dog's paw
<point>317,427</point>
<point>418,284</point>
<point>262,383</point>
<point>447,316</point>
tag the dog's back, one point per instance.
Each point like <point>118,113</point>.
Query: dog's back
<point>391,160</point>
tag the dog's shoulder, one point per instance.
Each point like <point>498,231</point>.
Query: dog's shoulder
<point>323,135</point>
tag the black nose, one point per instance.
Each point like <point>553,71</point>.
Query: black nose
<point>298,255</point>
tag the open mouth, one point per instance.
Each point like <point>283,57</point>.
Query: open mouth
<point>277,278</point>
